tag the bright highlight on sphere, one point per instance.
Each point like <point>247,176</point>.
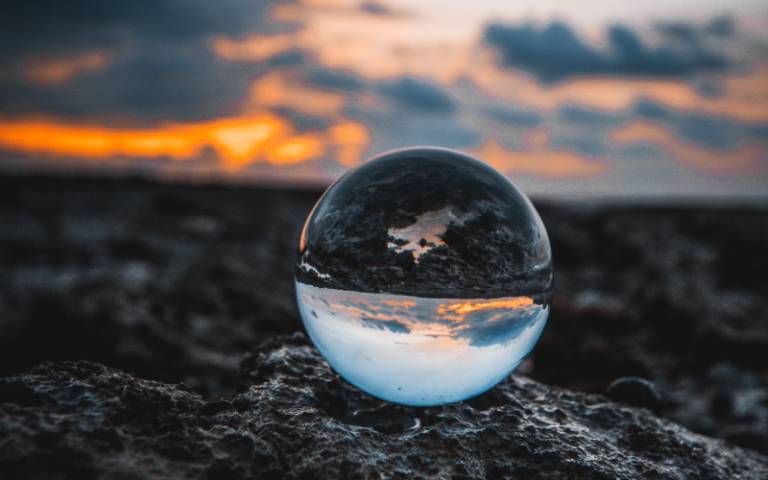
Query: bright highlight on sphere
<point>424,276</point>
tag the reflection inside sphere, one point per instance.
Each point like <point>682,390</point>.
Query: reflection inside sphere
<point>424,276</point>
<point>420,351</point>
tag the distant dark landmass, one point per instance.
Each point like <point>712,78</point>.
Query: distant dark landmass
<point>192,285</point>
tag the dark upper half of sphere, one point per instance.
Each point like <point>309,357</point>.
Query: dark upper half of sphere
<point>426,222</point>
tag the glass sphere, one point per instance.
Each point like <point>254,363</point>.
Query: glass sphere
<point>424,276</point>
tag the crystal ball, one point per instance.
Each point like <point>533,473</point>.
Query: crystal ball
<point>424,276</point>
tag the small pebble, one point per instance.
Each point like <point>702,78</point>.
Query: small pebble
<point>635,391</point>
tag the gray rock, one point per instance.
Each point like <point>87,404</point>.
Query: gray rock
<point>293,418</point>
<point>635,391</point>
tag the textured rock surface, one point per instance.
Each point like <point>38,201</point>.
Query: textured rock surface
<point>294,419</point>
<point>176,283</point>
<point>635,391</point>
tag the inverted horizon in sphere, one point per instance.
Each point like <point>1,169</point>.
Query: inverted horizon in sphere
<point>420,351</point>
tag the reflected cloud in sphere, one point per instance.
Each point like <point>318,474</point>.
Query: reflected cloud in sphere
<point>420,351</point>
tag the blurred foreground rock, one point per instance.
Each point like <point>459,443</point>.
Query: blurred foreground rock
<point>293,418</point>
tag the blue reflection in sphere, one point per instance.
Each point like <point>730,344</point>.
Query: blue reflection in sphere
<point>424,276</point>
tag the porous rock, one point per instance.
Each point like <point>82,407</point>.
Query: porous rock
<point>635,391</point>
<point>294,418</point>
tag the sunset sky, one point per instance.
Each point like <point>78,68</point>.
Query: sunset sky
<point>588,99</point>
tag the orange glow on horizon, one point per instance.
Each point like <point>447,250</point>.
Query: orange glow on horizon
<point>237,141</point>
<point>296,150</point>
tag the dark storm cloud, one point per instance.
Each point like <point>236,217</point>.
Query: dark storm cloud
<point>413,93</point>
<point>161,64</point>
<point>43,26</point>
<point>585,144</point>
<point>759,132</point>
<point>555,52</point>
<point>417,94</point>
<point>290,58</point>
<point>651,110</point>
<point>714,132</point>
<point>334,80</point>
<point>679,31</point>
<point>185,83</point>
<point>593,118</point>
<point>708,131</point>
<point>584,130</point>
<point>379,9</point>
<point>721,26</point>
<point>514,116</point>
<point>392,325</point>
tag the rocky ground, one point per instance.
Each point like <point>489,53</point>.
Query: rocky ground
<point>176,305</point>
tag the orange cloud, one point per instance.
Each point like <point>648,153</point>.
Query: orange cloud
<point>254,48</point>
<point>734,160</point>
<point>55,71</point>
<point>400,303</point>
<point>351,139</point>
<point>296,149</point>
<point>237,141</point>
<point>472,306</point>
<point>539,159</point>
<point>283,89</point>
